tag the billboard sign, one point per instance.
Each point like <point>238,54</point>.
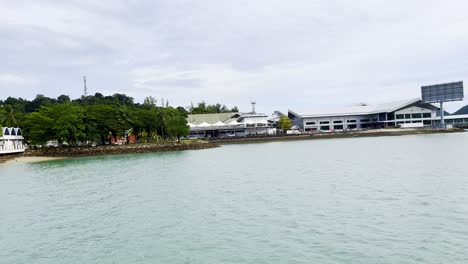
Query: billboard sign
<point>445,92</point>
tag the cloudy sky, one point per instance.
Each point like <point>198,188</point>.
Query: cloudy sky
<point>282,54</point>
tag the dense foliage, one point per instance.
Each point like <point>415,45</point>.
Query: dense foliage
<point>203,108</point>
<point>284,123</point>
<point>97,119</point>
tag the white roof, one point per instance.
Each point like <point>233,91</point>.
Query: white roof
<point>219,123</point>
<point>204,124</point>
<point>357,110</point>
<point>234,123</point>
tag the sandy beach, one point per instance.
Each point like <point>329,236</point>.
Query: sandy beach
<point>23,160</point>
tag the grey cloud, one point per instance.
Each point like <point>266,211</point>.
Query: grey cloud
<point>279,53</point>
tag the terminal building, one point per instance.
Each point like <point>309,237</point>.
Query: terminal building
<point>11,140</point>
<point>407,113</point>
<point>229,124</point>
<point>453,120</point>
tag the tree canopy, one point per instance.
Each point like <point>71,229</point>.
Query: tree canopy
<point>203,108</point>
<point>96,119</point>
<point>284,123</point>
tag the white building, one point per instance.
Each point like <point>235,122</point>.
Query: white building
<point>11,140</point>
<point>453,120</point>
<point>407,113</point>
<point>229,125</point>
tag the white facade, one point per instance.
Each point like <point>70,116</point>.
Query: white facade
<point>229,125</point>
<point>416,116</point>
<point>363,116</point>
<point>11,140</point>
<point>453,120</point>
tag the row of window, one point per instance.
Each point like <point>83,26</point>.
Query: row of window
<point>312,123</point>
<point>415,115</point>
<point>425,122</point>
<point>337,127</point>
<point>454,121</point>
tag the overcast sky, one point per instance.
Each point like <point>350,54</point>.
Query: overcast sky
<point>282,54</point>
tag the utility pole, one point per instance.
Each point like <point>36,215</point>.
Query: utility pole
<point>85,88</point>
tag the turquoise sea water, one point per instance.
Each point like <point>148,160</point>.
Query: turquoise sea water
<point>363,200</point>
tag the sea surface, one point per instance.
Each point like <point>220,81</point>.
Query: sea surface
<point>356,200</point>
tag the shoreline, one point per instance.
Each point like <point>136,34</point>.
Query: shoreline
<point>52,153</point>
<point>21,159</point>
<point>353,134</point>
<point>86,151</point>
<point>47,154</point>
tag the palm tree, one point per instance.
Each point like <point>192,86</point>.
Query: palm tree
<point>162,118</point>
<point>125,119</point>
<point>9,117</point>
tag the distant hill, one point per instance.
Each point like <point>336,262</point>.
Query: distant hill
<point>462,111</point>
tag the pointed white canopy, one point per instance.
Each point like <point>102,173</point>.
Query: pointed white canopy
<point>234,123</point>
<point>204,124</point>
<point>192,125</point>
<point>219,123</point>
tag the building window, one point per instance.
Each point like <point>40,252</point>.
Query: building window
<point>324,122</point>
<point>350,121</point>
<point>418,115</point>
<point>407,116</point>
<point>400,116</point>
<point>338,127</point>
<point>352,126</point>
<point>375,119</point>
<point>400,122</point>
<point>417,121</point>
<point>325,128</point>
<point>338,122</point>
<point>364,120</point>
<point>427,122</point>
<point>310,123</point>
<point>427,115</point>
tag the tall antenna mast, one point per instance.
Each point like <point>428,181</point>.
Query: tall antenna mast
<point>253,107</point>
<point>85,88</point>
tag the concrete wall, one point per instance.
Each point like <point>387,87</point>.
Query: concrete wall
<point>348,122</point>
<point>409,119</point>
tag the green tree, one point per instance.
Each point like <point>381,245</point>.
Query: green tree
<point>61,122</point>
<point>203,108</point>
<point>177,124</point>
<point>161,118</point>
<point>63,99</point>
<point>9,117</point>
<point>150,101</point>
<point>284,123</point>
<point>101,121</point>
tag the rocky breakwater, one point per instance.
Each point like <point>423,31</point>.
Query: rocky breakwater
<point>118,149</point>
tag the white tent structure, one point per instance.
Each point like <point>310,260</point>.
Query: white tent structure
<point>234,123</point>
<point>204,124</point>
<point>219,124</point>
<point>228,125</point>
